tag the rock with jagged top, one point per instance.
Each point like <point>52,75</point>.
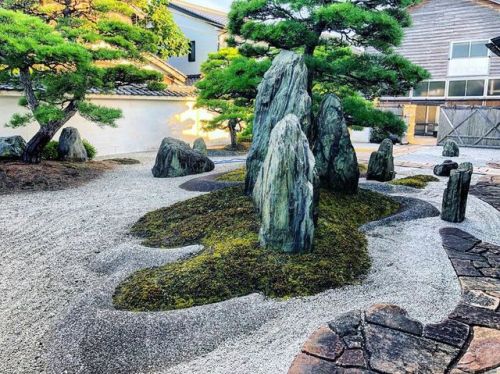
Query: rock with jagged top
<point>456,193</point>
<point>444,169</point>
<point>200,146</point>
<point>282,91</point>
<point>70,147</point>
<point>284,190</point>
<point>381,164</point>
<point>450,149</point>
<point>336,161</point>
<point>175,158</point>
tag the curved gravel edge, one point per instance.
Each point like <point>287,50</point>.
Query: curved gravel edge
<point>94,337</point>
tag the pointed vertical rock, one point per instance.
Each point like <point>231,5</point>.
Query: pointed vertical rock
<point>381,164</point>
<point>282,91</point>
<point>284,189</point>
<point>336,161</point>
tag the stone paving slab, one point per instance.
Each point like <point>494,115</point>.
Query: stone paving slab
<point>384,339</point>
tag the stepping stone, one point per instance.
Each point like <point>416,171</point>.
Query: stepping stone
<point>353,357</point>
<point>393,317</point>
<point>449,332</point>
<point>483,352</point>
<point>481,299</point>
<point>306,364</point>
<point>465,268</point>
<point>475,283</point>
<point>324,343</point>
<point>473,315</point>
<point>393,351</point>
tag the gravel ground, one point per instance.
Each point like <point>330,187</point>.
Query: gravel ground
<point>63,252</point>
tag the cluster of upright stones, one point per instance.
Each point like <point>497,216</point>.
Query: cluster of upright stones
<point>282,91</point>
<point>336,161</point>
<point>384,339</point>
<point>175,158</point>
<point>70,146</point>
<point>381,164</point>
<point>456,193</point>
<point>284,190</point>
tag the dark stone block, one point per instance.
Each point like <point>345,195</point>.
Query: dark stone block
<point>392,351</point>
<point>491,272</point>
<point>394,317</point>
<point>444,169</point>
<point>464,255</point>
<point>464,268</point>
<point>456,193</point>
<point>480,264</point>
<point>459,243</point>
<point>476,316</point>
<point>354,341</point>
<point>449,332</point>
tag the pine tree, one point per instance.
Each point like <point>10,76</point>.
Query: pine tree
<point>348,46</point>
<point>56,51</point>
<point>228,88</point>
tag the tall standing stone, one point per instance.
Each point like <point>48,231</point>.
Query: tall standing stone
<point>456,193</point>
<point>70,146</point>
<point>450,149</point>
<point>381,164</point>
<point>336,161</point>
<point>284,190</point>
<point>282,91</point>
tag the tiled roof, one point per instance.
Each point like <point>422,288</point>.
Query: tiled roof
<point>213,16</point>
<point>133,90</point>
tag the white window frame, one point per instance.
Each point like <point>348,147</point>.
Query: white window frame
<point>450,53</point>
<point>412,96</point>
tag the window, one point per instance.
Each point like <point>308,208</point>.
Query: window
<point>429,89</point>
<point>469,49</point>
<point>192,51</point>
<point>494,87</point>
<point>466,88</point>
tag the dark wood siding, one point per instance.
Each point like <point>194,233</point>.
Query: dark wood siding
<point>436,23</point>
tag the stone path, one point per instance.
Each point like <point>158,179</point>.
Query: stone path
<point>384,339</point>
<point>488,189</point>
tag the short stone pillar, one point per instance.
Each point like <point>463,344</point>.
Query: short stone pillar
<point>284,190</point>
<point>455,195</point>
<point>70,146</point>
<point>450,149</point>
<point>381,164</point>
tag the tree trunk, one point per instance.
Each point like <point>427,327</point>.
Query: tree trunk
<point>33,151</point>
<point>232,131</point>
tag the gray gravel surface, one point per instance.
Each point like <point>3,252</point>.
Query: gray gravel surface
<point>63,253</point>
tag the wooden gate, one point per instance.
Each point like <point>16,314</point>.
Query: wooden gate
<point>470,126</point>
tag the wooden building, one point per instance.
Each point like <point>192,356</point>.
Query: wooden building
<point>448,38</point>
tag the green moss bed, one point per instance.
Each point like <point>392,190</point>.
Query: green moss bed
<point>415,181</point>
<point>232,263</point>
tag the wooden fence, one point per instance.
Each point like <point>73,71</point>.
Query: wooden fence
<point>470,126</point>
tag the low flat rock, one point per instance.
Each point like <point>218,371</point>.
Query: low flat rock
<point>176,159</point>
<point>307,364</point>
<point>393,351</point>
<point>449,332</point>
<point>324,343</point>
<point>473,315</point>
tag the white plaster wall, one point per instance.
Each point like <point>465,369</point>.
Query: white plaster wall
<point>207,41</point>
<point>145,122</point>
<point>362,136</point>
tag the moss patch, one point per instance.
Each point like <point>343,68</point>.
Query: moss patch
<point>237,175</point>
<point>232,263</point>
<point>416,181</point>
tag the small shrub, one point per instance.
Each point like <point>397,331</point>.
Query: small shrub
<point>50,151</point>
<point>415,181</point>
<point>91,151</point>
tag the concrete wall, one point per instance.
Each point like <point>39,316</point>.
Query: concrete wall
<point>207,41</point>
<point>146,121</point>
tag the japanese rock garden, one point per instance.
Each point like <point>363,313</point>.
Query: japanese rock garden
<point>255,233</point>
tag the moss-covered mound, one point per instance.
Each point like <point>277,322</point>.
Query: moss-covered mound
<point>416,181</point>
<point>237,175</point>
<point>234,265</point>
